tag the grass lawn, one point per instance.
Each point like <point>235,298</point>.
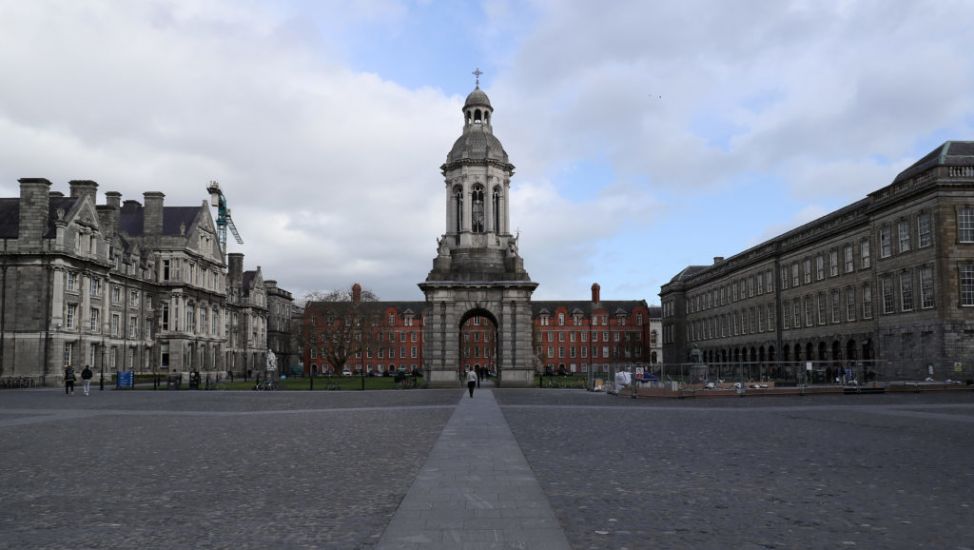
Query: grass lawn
<point>325,383</point>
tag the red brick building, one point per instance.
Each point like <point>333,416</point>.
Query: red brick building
<point>568,336</point>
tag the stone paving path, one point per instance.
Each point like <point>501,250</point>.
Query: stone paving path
<point>475,491</point>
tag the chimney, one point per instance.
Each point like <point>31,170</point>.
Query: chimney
<point>35,204</point>
<point>718,259</point>
<point>235,268</point>
<point>595,293</point>
<point>152,224</point>
<point>356,293</point>
<point>84,188</point>
<point>113,199</point>
<point>55,194</point>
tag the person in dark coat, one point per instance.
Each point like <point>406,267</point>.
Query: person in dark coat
<point>69,380</point>
<point>86,376</point>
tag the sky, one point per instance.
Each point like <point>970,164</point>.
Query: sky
<point>647,136</point>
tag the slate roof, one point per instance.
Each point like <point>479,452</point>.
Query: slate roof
<point>248,280</point>
<point>951,153</point>
<point>585,307</point>
<point>131,219</point>
<point>10,215</point>
<point>688,272</point>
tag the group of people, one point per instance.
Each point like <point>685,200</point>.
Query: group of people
<point>69,379</point>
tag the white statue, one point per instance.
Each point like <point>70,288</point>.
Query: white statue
<point>271,361</point>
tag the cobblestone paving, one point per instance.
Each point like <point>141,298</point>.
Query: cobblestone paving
<point>210,469</point>
<point>891,471</point>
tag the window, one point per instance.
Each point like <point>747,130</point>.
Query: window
<point>165,269</point>
<point>819,267</point>
<point>73,281</point>
<point>864,259</point>
<point>750,287</point>
<point>885,244</point>
<point>833,262</point>
<point>760,320</point>
<point>850,304</point>
<point>561,336</point>
<point>926,287</point>
<point>561,319</point>
<point>770,279</point>
<point>760,285</point>
<point>71,316</point>
<point>906,291</point>
<point>116,322</point>
<point>95,286</point>
<point>771,317</point>
<point>835,306</point>
<point>794,274</point>
<point>204,326</point>
<point>544,320</point>
<point>903,232</point>
<point>821,308</point>
<point>886,289</point>
<point>392,319</point>
<point>165,316</point>
<point>867,301</point>
<point>967,284</point>
<point>786,314</point>
<point>850,265</point>
<point>116,294</point>
<point>807,271</point>
<point>93,317</point>
<point>924,233</point>
<point>605,352</point>
<point>797,312</point>
<point>965,224</point>
<point>639,319</point>
<point>133,326</point>
<point>809,312</point>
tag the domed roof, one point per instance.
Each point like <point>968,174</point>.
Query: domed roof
<point>477,97</point>
<point>477,143</point>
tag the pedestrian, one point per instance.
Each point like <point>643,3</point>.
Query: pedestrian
<point>480,375</point>
<point>68,380</point>
<point>471,381</point>
<point>86,376</point>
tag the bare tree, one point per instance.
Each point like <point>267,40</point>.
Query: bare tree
<point>339,324</point>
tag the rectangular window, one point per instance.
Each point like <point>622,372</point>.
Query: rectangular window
<point>885,243</point>
<point>93,317</point>
<point>786,315</point>
<point>850,304</point>
<point>166,269</point>
<point>133,327</point>
<point>819,267</point>
<point>71,316</point>
<point>116,294</point>
<point>835,306</point>
<point>865,261</point>
<point>965,224</point>
<point>924,231</point>
<point>73,281</point>
<point>794,274</point>
<point>771,318</point>
<point>797,312</point>
<point>821,308</point>
<point>760,320</point>
<point>750,288</point>
<point>116,323</point>
<point>809,312</point>
<point>95,286</point>
<point>903,232</point>
<point>760,284</point>
<point>833,262</point>
<point>770,279</point>
<point>850,264</point>
<point>926,287</point>
<point>134,298</point>
<point>605,352</point>
<point>867,301</point>
<point>807,270</point>
<point>584,351</point>
<point>967,284</point>
<point>906,291</point>
<point>165,316</point>
<point>886,288</point>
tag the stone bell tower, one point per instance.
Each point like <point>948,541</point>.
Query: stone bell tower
<point>477,270</point>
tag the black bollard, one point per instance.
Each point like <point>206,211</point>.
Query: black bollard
<point>101,381</point>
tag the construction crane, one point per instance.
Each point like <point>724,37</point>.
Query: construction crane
<point>223,220</point>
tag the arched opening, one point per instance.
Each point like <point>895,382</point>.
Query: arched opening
<point>822,351</point>
<point>850,350</point>
<point>478,344</point>
<point>836,351</point>
<point>458,208</point>
<point>497,209</point>
<point>867,350</point>
<point>786,353</point>
<point>477,209</point>
<point>476,116</point>
<point>809,352</point>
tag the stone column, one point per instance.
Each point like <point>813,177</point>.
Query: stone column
<point>450,222</point>
<point>489,209</point>
<point>467,202</point>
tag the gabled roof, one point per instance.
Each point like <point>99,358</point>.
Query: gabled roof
<point>585,307</point>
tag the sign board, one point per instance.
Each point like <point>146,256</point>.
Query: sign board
<point>808,366</point>
<point>126,379</point>
<point>958,367</point>
<point>639,373</point>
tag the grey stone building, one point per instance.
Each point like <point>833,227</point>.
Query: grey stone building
<point>889,278</point>
<point>119,286</point>
<point>280,305</point>
<point>477,270</point>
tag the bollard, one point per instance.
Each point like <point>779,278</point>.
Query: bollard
<point>101,380</point>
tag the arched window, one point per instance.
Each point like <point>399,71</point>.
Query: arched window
<point>458,208</point>
<point>477,209</point>
<point>497,209</point>
<point>476,116</point>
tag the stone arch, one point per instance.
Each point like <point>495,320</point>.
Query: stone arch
<point>822,351</point>
<point>809,352</point>
<point>786,353</point>
<point>491,328</point>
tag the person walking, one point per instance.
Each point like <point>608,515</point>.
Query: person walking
<point>86,375</point>
<point>68,380</point>
<point>471,381</point>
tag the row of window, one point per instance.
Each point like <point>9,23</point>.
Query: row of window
<point>116,296</point>
<point>743,288</point>
<point>582,336</point>
<point>746,321</point>
<point>192,273</point>
<point>578,319</point>
<point>380,353</point>
<point>636,351</point>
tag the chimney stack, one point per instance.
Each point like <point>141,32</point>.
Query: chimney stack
<point>35,204</point>
<point>235,268</point>
<point>113,199</point>
<point>718,259</point>
<point>152,224</point>
<point>84,188</point>
<point>356,293</point>
<point>595,293</point>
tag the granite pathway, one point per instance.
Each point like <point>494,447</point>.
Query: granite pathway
<point>475,490</point>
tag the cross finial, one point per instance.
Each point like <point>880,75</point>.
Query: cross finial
<point>477,74</point>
